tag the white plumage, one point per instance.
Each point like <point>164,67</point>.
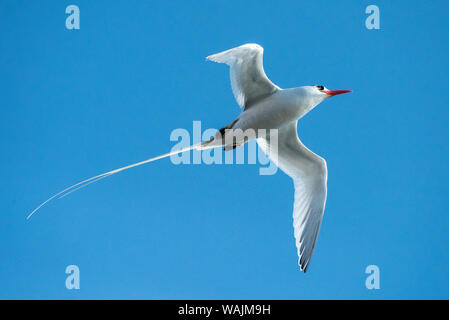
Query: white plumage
<point>309,174</point>
<point>248,79</point>
<point>266,106</point>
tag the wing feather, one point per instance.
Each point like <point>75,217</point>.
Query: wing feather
<point>309,174</point>
<point>248,79</point>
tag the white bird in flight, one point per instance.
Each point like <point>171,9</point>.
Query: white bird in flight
<point>266,106</point>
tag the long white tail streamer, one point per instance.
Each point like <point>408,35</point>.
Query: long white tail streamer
<point>86,182</point>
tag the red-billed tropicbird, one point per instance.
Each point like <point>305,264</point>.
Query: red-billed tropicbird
<point>266,106</point>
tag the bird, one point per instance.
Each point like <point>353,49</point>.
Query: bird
<point>266,108</point>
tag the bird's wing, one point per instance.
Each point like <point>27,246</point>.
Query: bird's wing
<point>309,174</point>
<point>248,79</point>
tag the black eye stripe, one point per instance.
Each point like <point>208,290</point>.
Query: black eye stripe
<point>320,87</point>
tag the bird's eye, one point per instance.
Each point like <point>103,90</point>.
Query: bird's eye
<point>320,87</point>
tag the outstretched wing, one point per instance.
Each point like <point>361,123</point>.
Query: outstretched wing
<point>248,79</point>
<point>309,174</point>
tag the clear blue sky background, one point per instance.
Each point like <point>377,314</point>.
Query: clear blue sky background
<point>75,103</point>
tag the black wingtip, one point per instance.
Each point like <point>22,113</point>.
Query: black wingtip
<point>304,266</point>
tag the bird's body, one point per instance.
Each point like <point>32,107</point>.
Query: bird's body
<point>276,110</point>
<point>265,107</point>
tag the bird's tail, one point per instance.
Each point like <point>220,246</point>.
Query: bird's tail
<point>82,184</point>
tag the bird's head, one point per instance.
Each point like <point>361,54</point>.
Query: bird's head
<point>324,93</point>
<point>314,95</point>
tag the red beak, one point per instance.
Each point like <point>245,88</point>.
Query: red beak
<point>335,92</point>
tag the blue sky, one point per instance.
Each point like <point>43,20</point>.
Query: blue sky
<point>75,103</point>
